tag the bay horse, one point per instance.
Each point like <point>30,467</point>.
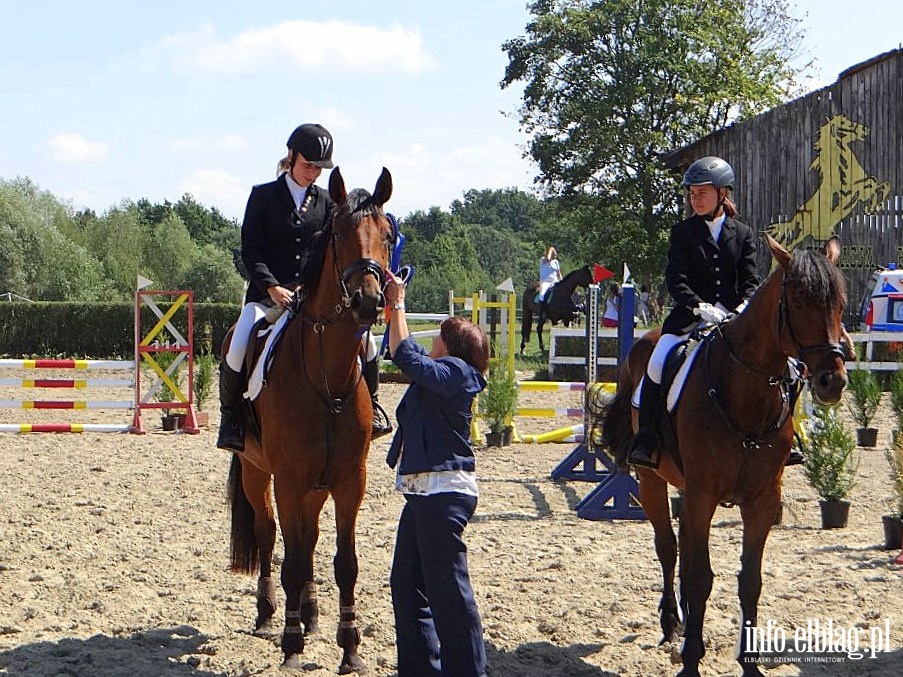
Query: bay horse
<point>315,419</point>
<point>558,305</point>
<point>731,432</point>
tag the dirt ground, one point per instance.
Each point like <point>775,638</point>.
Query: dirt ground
<point>114,554</point>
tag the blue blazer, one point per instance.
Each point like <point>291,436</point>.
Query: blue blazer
<point>434,415</point>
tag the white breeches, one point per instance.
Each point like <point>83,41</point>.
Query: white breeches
<point>657,360</point>
<point>252,313</point>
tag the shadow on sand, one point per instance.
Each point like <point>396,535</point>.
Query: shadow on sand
<point>162,652</point>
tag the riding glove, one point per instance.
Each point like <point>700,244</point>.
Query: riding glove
<point>710,313</point>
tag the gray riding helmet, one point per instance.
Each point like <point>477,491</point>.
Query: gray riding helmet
<point>709,169</point>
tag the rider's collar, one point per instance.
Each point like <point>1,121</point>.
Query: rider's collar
<point>298,191</point>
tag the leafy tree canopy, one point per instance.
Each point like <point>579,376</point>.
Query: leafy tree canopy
<point>611,85</point>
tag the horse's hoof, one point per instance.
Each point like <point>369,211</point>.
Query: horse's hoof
<point>352,663</point>
<point>265,628</point>
<point>292,662</point>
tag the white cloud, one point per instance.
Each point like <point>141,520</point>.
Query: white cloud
<point>228,142</point>
<point>305,45</point>
<point>217,188</point>
<point>76,149</point>
<point>424,177</point>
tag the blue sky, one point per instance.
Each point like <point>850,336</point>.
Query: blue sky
<point>112,100</point>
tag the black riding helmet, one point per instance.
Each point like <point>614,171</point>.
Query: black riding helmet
<point>711,170</point>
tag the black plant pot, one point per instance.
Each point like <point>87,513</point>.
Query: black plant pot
<point>499,439</point>
<point>893,531</point>
<point>170,422</point>
<point>834,514</point>
<point>677,505</point>
<point>867,437</point>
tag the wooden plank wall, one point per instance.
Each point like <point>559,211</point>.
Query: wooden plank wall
<point>773,154</point>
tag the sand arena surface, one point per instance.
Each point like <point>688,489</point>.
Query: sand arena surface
<point>114,561</point>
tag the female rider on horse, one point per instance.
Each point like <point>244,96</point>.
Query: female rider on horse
<point>283,241</point>
<point>711,272</point>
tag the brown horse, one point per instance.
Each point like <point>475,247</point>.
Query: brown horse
<point>315,419</point>
<point>731,433</point>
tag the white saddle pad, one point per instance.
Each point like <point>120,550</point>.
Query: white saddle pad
<point>678,384</point>
<point>255,382</point>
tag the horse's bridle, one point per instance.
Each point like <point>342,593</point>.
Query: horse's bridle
<point>362,267</point>
<point>784,320</point>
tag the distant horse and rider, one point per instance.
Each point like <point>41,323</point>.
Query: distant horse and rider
<point>727,438</point>
<point>315,421</point>
<point>558,305</point>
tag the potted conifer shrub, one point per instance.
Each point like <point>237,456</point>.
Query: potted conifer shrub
<point>893,523</point>
<point>498,403</point>
<point>865,397</point>
<point>830,466</point>
<point>204,366</point>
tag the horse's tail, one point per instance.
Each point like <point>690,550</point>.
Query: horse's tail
<point>245,555</point>
<point>615,416</point>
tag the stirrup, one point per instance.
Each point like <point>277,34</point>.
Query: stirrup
<point>644,451</point>
<point>642,458</point>
<point>231,436</point>
<point>795,458</point>
<point>381,424</point>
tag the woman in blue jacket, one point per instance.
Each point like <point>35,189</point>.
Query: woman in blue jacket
<point>437,624</point>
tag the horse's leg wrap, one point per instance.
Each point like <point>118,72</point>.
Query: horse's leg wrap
<point>266,600</point>
<point>310,611</point>
<point>293,634</point>
<point>348,635</point>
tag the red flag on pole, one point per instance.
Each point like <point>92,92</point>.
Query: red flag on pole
<point>601,273</point>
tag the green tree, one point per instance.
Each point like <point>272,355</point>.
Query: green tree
<point>426,225</point>
<point>509,208</point>
<point>611,85</point>
<point>212,277</point>
<point>171,252</point>
<point>122,240</point>
<point>202,223</point>
<point>37,260</point>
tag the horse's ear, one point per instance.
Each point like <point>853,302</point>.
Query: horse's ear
<point>780,254</point>
<point>383,190</point>
<point>832,249</point>
<point>337,186</point>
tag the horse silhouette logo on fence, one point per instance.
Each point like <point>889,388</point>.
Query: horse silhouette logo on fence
<point>844,185</point>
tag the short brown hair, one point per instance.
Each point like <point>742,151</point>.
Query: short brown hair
<point>467,341</point>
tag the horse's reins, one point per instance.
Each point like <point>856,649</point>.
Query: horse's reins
<point>335,405</point>
<point>790,385</point>
<point>789,388</point>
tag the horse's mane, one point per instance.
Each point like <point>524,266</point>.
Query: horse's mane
<point>820,280</point>
<point>571,280</point>
<point>358,205</point>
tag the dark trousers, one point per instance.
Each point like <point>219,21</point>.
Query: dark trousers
<point>437,625</point>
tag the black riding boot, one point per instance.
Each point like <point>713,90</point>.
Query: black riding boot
<point>231,389</point>
<point>381,424</point>
<point>644,450</point>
